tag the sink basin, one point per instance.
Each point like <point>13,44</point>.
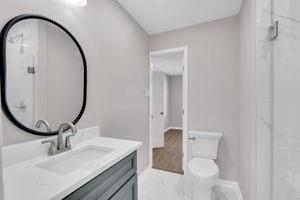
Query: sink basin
<point>73,160</point>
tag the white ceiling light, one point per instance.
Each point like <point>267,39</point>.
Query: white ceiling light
<point>77,3</point>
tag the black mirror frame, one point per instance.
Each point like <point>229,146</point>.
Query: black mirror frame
<point>3,67</point>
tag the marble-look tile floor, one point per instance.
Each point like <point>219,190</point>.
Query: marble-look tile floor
<point>162,185</point>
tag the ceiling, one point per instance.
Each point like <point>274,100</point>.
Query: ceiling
<point>170,64</point>
<point>157,16</point>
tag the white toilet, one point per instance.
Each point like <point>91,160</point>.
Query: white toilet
<point>202,169</point>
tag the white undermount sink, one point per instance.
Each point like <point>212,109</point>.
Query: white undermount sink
<point>71,161</point>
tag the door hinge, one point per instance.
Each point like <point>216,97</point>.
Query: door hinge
<point>273,31</point>
<point>182,111</point>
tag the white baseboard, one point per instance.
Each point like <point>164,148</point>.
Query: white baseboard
<point>143,174</point>
<point>227,190</point>
<point>173,128</point>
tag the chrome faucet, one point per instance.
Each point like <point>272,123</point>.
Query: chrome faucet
<point>61,147</point>
<point>60,141</point>
<point>47,125</point>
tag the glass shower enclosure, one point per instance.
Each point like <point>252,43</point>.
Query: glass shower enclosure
<point>278,99</point>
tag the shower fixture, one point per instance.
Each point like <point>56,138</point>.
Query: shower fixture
<point>273,31</point>
<point>19,37</point>
<point>14,39</point>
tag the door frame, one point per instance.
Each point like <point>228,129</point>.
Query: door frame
<point>183,49</point>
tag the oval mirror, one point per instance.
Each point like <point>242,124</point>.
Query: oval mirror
<point>43,74</point>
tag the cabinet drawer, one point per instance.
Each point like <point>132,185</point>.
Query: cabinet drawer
<point>129,191</point>
<point>107,183</point>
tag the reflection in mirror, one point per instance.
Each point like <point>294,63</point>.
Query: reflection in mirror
<point>44,74</point>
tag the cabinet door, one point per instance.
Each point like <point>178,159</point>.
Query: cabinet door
<point>108,183</point>
<point>128,191</point>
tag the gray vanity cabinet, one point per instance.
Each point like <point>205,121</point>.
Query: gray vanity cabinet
<point>119,182</point>
<point>128,191</point>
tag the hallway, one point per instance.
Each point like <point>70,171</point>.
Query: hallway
<point>169,157</point>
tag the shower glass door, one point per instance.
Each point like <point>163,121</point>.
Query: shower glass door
<point>278,85</point>
<point>22,53</point>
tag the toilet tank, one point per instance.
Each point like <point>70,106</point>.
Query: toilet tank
<point>204,144</point>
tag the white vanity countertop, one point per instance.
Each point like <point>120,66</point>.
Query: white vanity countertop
<point>24,180</point>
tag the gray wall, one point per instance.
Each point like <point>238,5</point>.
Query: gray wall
<point>247,157</point>
<point>213,50</point>
<point>1,177</point>
<point>175,101</point>
<point>64,79</point>
<point>116,49</point>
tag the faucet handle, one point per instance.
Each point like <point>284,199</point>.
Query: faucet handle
<point>68,142</point>
<point>52,149</point>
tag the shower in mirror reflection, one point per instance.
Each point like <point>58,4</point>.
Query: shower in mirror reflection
<point>22,54</point>
<point>19,39</point>
<point>36,84</point>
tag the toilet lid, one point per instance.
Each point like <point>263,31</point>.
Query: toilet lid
<point>203,168</point>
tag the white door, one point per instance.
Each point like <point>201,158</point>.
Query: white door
<point>157,114</point>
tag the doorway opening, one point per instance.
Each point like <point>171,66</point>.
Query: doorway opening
<point>168,110</point>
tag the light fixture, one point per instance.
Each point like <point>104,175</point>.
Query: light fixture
<point>77,3</point>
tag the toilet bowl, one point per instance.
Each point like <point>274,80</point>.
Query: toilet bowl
<point>204,174</point>
<point>203,171</point>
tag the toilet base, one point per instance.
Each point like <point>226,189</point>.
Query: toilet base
<point>202,194</point>
<point>203,190</point>
<point>204,174</point>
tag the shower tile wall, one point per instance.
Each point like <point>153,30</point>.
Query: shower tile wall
<point>264,101</point>
<point>278,71</point>
<point>286,116</point>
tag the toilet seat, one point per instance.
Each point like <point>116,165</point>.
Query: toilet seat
<point>203,169</point>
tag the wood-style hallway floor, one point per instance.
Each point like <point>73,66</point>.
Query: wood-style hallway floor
<point>169,158</point>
